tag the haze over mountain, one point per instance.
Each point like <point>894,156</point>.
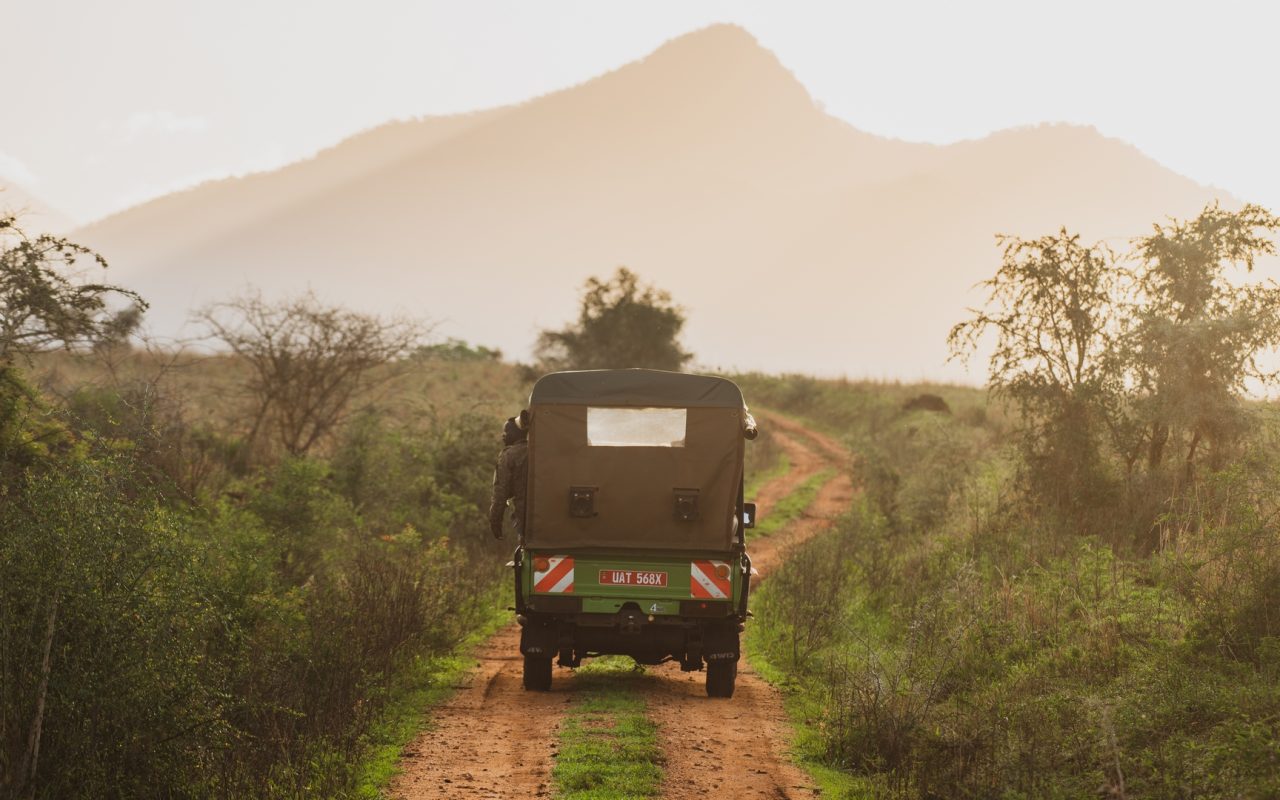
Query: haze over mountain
<point>35,216</point>
<point>795,241</point>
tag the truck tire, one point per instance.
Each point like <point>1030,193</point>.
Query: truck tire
<point>537,673</point>
<point>720,678</point>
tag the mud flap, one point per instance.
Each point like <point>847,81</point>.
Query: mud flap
<point>539,640</point>
<point>746,585</point>
<point>516,563</point>
<point>720,643</point>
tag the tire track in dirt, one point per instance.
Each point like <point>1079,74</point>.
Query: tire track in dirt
<point>494,740</point>
<point>737,747</point>
<point>490,740</point>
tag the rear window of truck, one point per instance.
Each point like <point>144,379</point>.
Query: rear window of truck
<point>636,427</point>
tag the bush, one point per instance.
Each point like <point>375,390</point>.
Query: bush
<point>104,619</point>
<point>191,460</point>
<point>157,642</point>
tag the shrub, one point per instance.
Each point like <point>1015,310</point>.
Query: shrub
<point>107,691</point>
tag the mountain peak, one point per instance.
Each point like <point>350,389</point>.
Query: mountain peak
<point>720,34</point>
<point>722,45</point>
<point>716,67</point>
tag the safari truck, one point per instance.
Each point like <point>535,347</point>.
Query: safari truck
<point>634,530</point>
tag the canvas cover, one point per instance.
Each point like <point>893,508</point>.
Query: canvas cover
<point>635,484</point>
<point>636,388</point>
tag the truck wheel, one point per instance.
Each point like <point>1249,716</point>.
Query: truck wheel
<point>720,678</point>
<point>537,673</point>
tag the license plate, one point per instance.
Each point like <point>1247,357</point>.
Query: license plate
<point>632,577</point>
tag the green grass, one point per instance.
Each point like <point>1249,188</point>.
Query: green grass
<point>780,466</point>
<point>608,746</point>
<point>792,506</point>
<point>805,746</point>
<point>424,684</point>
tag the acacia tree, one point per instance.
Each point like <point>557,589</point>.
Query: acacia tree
<point>1197,336</point>
<point>622,323</point>
<point>1157,357</point>
<point>309,361</point>
<point>1054,307</point>
<point>43,302</point>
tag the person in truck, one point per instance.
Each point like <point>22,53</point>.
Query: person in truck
<point>511,476</point>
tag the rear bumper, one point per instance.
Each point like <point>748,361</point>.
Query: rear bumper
<point>649,639</point>
<point>603,611</point>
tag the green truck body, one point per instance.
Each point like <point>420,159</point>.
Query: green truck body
<point>634,541</point>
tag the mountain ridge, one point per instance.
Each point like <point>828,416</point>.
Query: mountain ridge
<point>705,166</point>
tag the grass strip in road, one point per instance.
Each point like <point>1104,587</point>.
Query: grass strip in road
<point>425,683</point>
<point>792,506</point>
<point>608,746</point>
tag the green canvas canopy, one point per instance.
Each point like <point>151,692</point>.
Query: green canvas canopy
<point>653,458</point>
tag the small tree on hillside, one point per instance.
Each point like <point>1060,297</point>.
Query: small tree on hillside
<point>44,304</point>
<point>623,323</point>
<point>1054,307</point>
<point>1197,336</point>
<point>309,361</point>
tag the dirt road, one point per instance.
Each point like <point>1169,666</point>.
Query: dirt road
<point>494,740</point>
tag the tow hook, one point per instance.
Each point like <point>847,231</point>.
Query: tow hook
<point>630,621</point>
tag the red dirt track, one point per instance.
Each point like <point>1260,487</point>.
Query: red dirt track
<point>495,740</point>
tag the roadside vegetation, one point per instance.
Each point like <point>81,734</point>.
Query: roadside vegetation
<point>226,575</point>
<point>1069,587</point>
<point>235,627</point>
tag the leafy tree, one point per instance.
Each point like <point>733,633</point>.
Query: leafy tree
<point>1197,336</point>
<point>623,323</point>
<point>309,361</point>
<point>42,302</point>
<point>1149,359</point>
<point>1054,309</point>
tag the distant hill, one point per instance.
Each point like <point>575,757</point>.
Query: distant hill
<point>796,241</point>
<point>34,215</point>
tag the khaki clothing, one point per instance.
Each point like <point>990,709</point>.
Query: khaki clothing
<point>510,482</point>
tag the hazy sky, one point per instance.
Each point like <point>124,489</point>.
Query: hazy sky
<point>106,104</point>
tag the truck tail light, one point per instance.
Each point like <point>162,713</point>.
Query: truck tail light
<point>541,564</point>
<point>722,571</point>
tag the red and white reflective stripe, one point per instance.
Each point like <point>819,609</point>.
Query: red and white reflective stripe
<point>706,583</point>
<point>558,576</point>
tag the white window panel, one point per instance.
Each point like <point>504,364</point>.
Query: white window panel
<point>636,427</point>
